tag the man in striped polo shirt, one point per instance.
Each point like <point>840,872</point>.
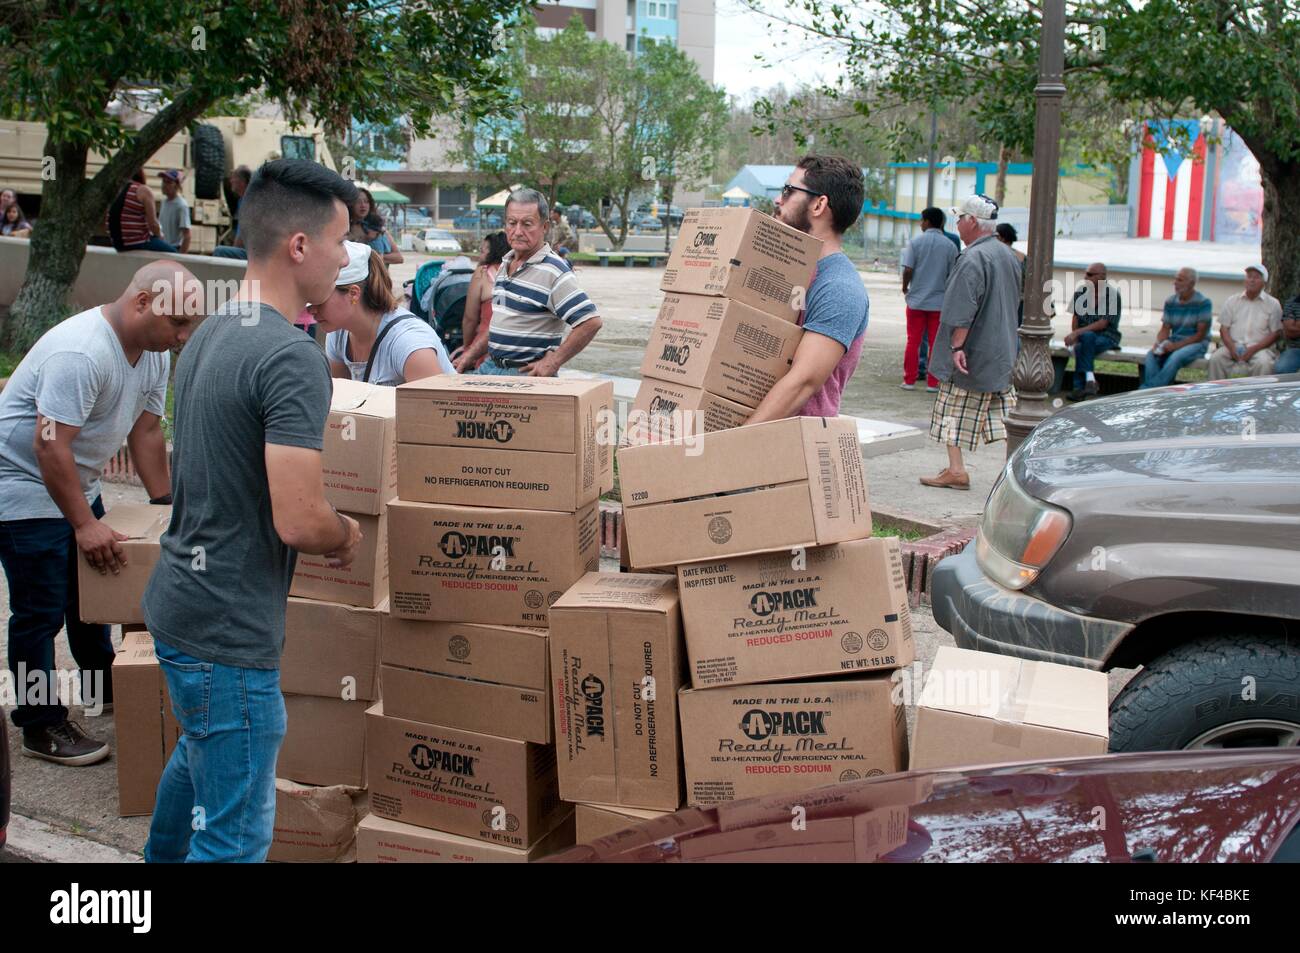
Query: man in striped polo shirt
<point>533,300</point>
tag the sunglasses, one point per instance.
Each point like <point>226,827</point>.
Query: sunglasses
<point>789,190</point>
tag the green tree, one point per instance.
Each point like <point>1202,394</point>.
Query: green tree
<point>64,62</point>
<point>686,117</point>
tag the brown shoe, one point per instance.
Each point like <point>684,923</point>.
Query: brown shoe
<point>948,480</point>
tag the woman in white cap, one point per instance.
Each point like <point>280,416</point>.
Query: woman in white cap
<point>369,337</point>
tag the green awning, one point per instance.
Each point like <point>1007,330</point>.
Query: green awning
<point>385,195</point>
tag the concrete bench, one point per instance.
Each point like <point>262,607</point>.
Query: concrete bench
<point>1113,383</point>
<point>630,258</point>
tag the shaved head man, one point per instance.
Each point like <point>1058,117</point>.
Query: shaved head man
<point>91,383</point>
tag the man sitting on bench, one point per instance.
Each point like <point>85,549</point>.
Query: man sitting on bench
<point>1184,329</point>
<point>1096,307</point>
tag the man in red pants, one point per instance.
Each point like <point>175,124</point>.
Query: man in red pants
<point>927,260</point>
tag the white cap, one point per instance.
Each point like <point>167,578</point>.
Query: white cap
<point>1261,269</point>
<point>358,267</point>
<point>978,206</point>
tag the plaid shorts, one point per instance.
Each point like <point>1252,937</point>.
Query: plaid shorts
<point>966,418</point>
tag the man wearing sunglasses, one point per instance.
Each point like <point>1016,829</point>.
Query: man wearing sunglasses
<point>976,346</point>
<point>822,198</point>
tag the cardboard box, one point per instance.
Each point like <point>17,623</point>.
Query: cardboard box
<point>325,742</point>
<point>442,561</point>
<point>618,660</point>
<point>720,346</point>
<point>550,414</point>
<point>364,583</point>
<point>331,650</point>
<point>860,839</point>
<point>381,841</point>
<point>493,789</point>
<point>664,411</point>
<point>485,678</point>
<point>979,708</point>
<point>314,825</point>
<point>472,476</point>
<point>359,460</point>
<point>757,619</point>
<point>146,729</point>
<point>752,740</point>
<point>744,255</point>
<point>116,598</point>
<point>601,820</point>
<point>766,487</point>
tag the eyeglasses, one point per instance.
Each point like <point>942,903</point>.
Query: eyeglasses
<point>789,190</point>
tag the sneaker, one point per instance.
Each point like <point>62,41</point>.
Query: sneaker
<point>907,386</point>
<point>64,744</point>
<point>1089,389</point>
<point>931,390</point>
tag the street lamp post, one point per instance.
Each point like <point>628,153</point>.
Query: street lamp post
<point>1033,373</point>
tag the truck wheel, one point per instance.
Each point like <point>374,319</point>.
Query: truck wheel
<point>209,151</point>
<point>1225,691</point>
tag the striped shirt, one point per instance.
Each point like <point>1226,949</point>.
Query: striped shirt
<point>531,307</point>
<point>1184,316</point>
<point>132,222</point>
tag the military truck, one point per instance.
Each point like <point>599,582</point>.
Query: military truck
<point>207,156</point>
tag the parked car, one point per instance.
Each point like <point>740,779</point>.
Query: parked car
<point>436,240</point>
<point>647,223</point>
<point>660,211</point>
<point>1157,529</point>
<point>1244,807</point>
<point>579,217</point>
<point>481,220</point>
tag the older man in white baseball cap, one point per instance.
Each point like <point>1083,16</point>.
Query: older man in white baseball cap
<point>1249,326</point>
<point>976,345</point>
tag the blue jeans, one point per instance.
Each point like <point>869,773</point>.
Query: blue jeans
<point>492,367</point>
<point>216,799</point>
<point>229,251</point>
<point>1161,370</point>
<point>1288,362</point>
<point>1086,349</point>
<point>40,562</point>
<point>153,244</point>
<point>924,360</point>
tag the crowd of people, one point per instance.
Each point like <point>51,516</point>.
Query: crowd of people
<point>252,392</point>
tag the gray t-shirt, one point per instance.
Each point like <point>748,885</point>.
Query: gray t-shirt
<point>221,584</point>
<point>930,256</point>
<point>982,295</point>
<point>398,344</point>
<point>173,216</point>
<point>76,374</point>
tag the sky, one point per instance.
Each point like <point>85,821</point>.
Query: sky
<point>740,33</point>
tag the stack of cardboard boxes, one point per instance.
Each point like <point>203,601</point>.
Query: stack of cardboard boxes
<point>329,672</point>
<point>498,482</point>
<point>727,330</point>
<point>144,726</point>
<point>617,662</point>
<point>793,614</point>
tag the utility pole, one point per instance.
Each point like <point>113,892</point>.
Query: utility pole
<point>1033,372</point>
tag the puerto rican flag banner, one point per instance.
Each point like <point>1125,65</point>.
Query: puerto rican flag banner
<point>1172,192</point>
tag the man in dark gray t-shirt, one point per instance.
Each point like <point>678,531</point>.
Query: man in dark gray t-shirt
<point>252,395</point>
<point>244,381</point>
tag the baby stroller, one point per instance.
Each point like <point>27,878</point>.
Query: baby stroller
<point>437,295</point>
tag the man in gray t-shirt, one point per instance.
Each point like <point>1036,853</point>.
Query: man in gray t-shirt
<point>89,384</point>
<point>976,346</point>
<point>252,396</point>
<point>174,213</point>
